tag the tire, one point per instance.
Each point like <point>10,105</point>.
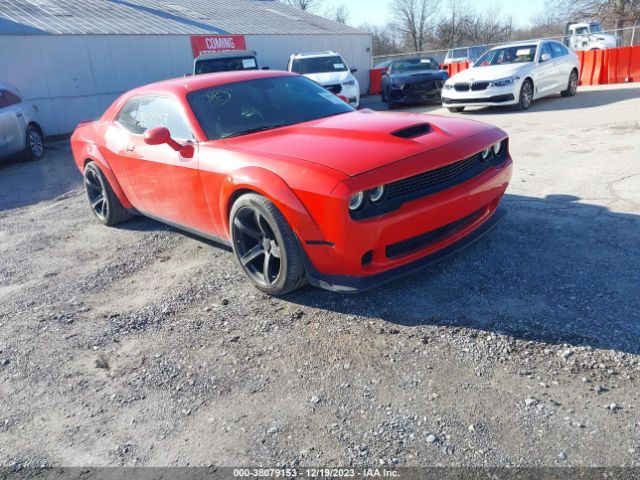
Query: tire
<point>103,201</point>
<point>34,143</point>
<point>526,95</point>
<point>572,85</point>
<point>262,241</point>
<point>455,109</point>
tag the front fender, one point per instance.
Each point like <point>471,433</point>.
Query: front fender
<point>271,186</point>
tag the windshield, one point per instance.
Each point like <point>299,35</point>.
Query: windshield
<point>414,65</point>
<point>507,55</point>
<point>595,28</point>
<point>240,108</point>
<point>214,65</point>
<point>318,65</point>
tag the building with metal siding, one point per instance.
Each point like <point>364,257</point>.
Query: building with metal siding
<point>73,58</point>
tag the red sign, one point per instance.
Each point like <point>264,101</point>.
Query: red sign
<point>216,43</point>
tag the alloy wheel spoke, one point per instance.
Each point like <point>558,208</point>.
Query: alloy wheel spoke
<point>97,201</point>
<point>252,254</point>
<point>265,268</point>
<point>258,219</point>
<point>275,250</point>
<point>246,229</point>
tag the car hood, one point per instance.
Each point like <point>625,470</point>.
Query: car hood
<point>415,77</point>
<point>493,72</point>
<point>357,142</point>
<point>329,78</point>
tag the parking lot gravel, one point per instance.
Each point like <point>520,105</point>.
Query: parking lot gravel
<point>141,345</point>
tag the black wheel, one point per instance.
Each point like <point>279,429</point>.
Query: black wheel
<point>265,246</point>
<point>526,95</point>
<point>34,143</point>
<point>456,109</point>
<point>572,86</point>
<point>104,203</point>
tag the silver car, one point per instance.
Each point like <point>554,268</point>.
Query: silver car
<point>20,127</point>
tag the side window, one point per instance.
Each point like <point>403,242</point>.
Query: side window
<point>144,113</point>
<point>545,49</point>
<point>128,117</point>
<point>11,98</point>
<point>557,50</point>
<point>3,100</point>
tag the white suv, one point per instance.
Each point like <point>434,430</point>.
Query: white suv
<point>329,70</point>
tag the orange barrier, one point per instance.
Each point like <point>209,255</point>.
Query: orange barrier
<point>624,64</point>
<point>611,62</point>
<point>375,80</point>
<point>634,64</point>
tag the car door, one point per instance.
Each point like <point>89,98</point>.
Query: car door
<point>162,182</point>
<point>12,132</point>
<point>563,66</point>
<point>545,77</point>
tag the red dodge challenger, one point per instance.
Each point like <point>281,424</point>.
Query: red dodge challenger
<point>300,185</point>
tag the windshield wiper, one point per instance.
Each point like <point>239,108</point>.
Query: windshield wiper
<point>257,129</point>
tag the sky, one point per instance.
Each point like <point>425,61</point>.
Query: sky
<point>377,11</point>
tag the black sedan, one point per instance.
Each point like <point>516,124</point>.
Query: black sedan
<point>412,80</point>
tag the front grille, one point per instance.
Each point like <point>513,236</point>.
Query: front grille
<point>336,89</point>
<point>433,179</point>
<point>477,86</point>
<point>420,242</point>
<point>427,86</point>
<point>461,87</point>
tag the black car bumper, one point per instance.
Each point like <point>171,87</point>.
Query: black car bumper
<point>353,284</point>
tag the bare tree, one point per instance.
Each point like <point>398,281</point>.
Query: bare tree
<point>462,25</point>
<point>339,14</point>
<point>616,13</point>
<point>413,18</point>
<point>386,39</point>
<point>307,5</point>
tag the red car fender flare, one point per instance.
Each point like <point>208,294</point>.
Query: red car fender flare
<point>92,153</point>
<point>271,186</point>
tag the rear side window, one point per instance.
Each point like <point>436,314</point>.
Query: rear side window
<point>11,98</point>
<point>3,100</point>
<point>143,113</point>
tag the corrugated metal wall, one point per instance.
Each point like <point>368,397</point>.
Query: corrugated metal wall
<point>75,77</point>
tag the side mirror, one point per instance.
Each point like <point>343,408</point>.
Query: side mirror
<point>354,70</point>
<point>545,57</point>
<point>161,135</point>
<point>157,136</point>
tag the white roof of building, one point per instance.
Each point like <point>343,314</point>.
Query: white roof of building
<point>131,17</point>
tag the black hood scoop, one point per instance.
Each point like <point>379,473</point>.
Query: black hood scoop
<point>413,131</point>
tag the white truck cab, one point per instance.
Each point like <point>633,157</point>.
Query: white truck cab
<point>589,36</point>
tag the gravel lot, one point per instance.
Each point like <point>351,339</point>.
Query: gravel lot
<point>141,345</point>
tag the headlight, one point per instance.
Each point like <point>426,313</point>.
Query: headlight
<point>350,83</point>
<point>486,152</point>
<point>503,82</point>
<point>497,147</point>
<point>356,200</point>
<point>376,194</point>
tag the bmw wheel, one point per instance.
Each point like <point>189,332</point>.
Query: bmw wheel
<point>572,86</point>
<point>34,143</point>
<point>265,246</point>
<point>526,95</point>
<point>103,201</point>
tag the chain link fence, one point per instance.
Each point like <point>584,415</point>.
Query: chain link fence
<point>628,36</point>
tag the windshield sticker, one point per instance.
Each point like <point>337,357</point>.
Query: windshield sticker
<point>523,51</point>
<point>338,66</point>
<point>331,97</point>
<point>248,63</point>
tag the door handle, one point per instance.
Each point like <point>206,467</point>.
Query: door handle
<point>129,148</point>
<point>18,114</point>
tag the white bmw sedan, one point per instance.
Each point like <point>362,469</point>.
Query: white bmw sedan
<point>514,74</point>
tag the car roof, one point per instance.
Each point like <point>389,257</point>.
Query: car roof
<point>184,85</point>
<point>315,54</point>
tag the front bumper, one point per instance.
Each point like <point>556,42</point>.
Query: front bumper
<point>491,96</point>
<point>416,92</point>
<point>355,284</point>
<point>350,248</point>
